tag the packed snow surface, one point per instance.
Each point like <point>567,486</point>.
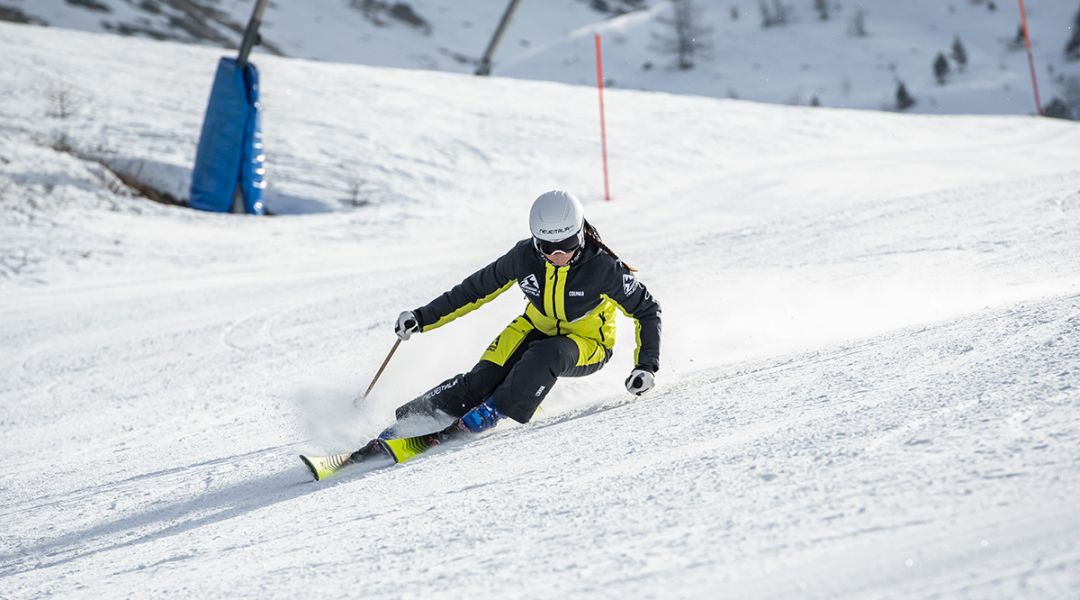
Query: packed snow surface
<point>870,370</point>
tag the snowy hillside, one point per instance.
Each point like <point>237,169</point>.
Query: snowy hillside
<point>808,60</point>
<point>448,35</point>
<point>855,57</point>
<point>871,355</point>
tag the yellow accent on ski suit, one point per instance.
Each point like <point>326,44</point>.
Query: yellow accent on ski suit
<point>577,301</point>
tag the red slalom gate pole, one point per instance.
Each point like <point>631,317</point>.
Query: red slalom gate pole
<point>603,129</point>
<point>1031,61</point>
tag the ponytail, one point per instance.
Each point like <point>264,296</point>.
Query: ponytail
<point>593,236</point>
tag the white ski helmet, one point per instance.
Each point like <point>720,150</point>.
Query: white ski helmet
<point>556,221</point>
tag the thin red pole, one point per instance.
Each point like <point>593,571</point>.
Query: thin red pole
<point>1031,61</point>
<point>603,129</point>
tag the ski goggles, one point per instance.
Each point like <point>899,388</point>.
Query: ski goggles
<point>567,245</point>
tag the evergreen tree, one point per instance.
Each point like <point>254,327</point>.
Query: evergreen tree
<point>689,37</point>
<point>1017,43</point>
<point>822,8</point>
<point>941,68</point>
<point>773,17</point>
<point>767,19</point>
<point>1072,47</point>
<point>904,100</point>
<point>780,11</point>
<point>857,27</point>
<point>1071,91</point>
<point>1056,109</point>
<point>959,54</point>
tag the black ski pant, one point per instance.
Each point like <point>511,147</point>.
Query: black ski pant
<point>517,371</point>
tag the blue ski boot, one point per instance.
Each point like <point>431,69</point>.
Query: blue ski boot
<point>481,418</point>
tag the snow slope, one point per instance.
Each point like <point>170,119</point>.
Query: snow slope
<point>804,61</point>
<point>870,371</point>
<point>811,60</point>
<point>447,35</point>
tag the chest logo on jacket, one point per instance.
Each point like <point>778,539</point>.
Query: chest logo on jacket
<point>530,286</point>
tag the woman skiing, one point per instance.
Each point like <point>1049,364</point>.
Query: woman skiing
<point>573,283</point>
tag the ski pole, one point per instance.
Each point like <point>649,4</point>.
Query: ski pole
<point>385,362</point>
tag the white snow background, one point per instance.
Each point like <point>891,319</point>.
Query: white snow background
<point>870,364</point>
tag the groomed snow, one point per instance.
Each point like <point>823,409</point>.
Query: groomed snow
<point>870,367</point>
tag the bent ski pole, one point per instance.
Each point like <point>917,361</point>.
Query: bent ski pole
<point>385,362</point>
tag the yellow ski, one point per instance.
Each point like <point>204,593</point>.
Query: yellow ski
<point>322,467</point>
<point>403,449</point>
<point>399,449</point>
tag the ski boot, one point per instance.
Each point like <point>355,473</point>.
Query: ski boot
<point>481,418</point>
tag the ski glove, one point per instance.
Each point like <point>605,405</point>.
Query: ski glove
<point>640,381</point>
<point>407,324</point>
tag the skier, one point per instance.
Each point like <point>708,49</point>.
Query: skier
<point>573,283</point>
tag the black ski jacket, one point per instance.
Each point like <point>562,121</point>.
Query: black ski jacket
<point>578,299</point>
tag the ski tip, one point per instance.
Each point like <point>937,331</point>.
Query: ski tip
<point>311,467</point>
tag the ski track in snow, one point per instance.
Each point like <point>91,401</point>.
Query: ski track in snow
<point>871,353</point>
<point>936,446</point>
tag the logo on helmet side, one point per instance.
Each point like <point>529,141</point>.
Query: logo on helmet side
<point>554,231</point>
